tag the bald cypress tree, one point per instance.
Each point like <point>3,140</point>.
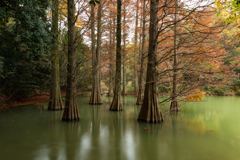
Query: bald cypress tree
<point>135,52</point>
<point>174,104</point>
<point>116,103</point>
<point>140,89</point>
<point>149,110</point>
<point>71,109</point>
<point>55,101</point>
<point>96,92</point>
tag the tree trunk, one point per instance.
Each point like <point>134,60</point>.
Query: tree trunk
<point>110,91</point>
<point>100,77</point>
<point>140,90</point>
<point>55,101</point>
<point>96,93</point>
<point>71,109</point>
<point>135,53</point>
<point>114,51</point>
<point>149,110</point>
<point>116,103</point>
<point>124,91</point>
<point>174,104</point>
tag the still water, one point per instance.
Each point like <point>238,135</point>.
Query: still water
<point>202,130</point>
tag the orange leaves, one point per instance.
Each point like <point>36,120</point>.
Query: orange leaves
<point>196,95</point>
<point>79,23</point>
<point>238,35</point>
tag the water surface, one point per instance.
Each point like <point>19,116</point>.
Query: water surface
<point>202,130</point>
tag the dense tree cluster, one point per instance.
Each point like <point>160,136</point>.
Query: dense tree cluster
<point>25,42</point>
<point>169,47</point>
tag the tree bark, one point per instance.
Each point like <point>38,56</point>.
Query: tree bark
<point>174,107</point>
<point>124,91</point>
<point>149,110</point>
<point>140,90</point>
<point>111,70</point>
<point>114,51</point>
<point>116,103</point>
<point>55,101</point>
<point>100,77</point>
<point>71,108</point>
<point>135,53</point>
<point>95,98</point>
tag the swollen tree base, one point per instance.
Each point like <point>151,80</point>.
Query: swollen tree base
<point>55,102</point>
<point>149,111</point>
<point>139,99</point>
<point>71,113</point>
<point>116,104</point>
<point>110,91</point>
<point>174,107</point>
<point>95,98</point>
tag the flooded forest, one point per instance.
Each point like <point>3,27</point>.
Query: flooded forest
<point>119,79</point>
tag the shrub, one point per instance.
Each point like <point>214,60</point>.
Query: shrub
<point>196,95</point>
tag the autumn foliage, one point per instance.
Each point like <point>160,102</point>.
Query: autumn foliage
<point>195,95</point>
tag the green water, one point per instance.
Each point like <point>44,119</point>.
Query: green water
<point>202,130</point>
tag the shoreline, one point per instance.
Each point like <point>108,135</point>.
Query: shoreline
<point>34,100</point>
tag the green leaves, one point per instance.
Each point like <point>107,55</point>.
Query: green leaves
<point>25,40</point>
<point>230,8</point>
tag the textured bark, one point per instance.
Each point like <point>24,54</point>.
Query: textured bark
<point>140,89</point>
<point>71,109</point>
<point>116,103</point>
<point>110,91</point>
<point>174,104</point>
<point>114,51</point>
<point>135,53</point>
<point>100,78</point>
<point>55,101</point>
<point>149,110</point>
<point>124,91</point>
<point>96,91</point>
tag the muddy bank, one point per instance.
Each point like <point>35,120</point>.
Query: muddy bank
<point>35,100</point>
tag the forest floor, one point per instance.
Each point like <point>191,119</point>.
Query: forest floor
<point>39,99</point>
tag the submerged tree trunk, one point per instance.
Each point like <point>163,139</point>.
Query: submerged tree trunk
<point>140,90</point>
<point>174,104</point>
<point>149,110</point>
<point>116,103</point>
<point>55,101</point>
<point>71,109</point>
<point>135,53</point>
<point>96,92</point>
<point>124,91</point>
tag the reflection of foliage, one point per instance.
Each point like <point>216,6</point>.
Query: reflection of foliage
<point>196,125</point>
